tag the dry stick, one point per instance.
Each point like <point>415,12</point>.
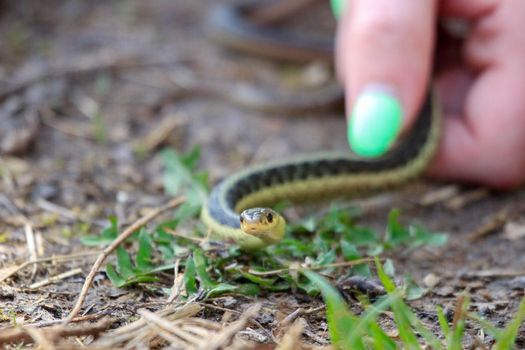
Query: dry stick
<point>21,334</point>
<point>109,249</point>
<point>168,327</point>
<point>55,278</point>
<point>494,223</point>
<point>87,66</point>
<point>286,269</point>
<point>39,338</point>
<point>279,11</point>
<point>31,246</point>
<point>14,269</point>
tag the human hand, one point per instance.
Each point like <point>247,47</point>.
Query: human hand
<point>385,52</point>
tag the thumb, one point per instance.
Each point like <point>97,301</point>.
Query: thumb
<point>384,53</point>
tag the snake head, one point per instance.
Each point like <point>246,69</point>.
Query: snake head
<point>263,223</point>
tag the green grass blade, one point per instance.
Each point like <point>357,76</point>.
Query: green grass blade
<point>387,282</point>
<point>364,323</point>
<point>508,336</point>
<point>457,333</point>
<point>190,283</point>
<point>340,319</point>
<point>201,267</point>
<point>380,340</point>
<point>443,322</point>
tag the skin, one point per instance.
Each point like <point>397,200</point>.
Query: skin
<point>480,79</point>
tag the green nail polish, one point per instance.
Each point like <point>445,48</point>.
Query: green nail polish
<point>375,123</point>
<point>337,7</point>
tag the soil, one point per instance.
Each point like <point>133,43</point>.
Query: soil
<point>101,80</point>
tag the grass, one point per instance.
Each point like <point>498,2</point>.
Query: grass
<point>349,331</point>
<point>321,243</point>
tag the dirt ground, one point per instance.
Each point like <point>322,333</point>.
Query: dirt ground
<point>84,83</point>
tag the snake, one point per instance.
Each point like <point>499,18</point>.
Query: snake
<point>239,208</point>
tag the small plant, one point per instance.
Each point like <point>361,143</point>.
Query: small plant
<point>322,243</point>
<point>348,331</point>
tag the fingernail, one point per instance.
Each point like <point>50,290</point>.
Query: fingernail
<point>375,121</point>
<point>337,7</point>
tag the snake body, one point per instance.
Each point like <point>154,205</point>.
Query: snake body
<point>317,177</point>
<point>233,210</point>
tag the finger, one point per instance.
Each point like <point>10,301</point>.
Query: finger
<point>486,144</point>
<point>466,9</point>
<point>384,52</point>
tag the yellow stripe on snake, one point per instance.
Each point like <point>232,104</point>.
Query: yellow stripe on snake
<point>237,208</point>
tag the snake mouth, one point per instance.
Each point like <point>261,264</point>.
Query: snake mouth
<point>252,229</point>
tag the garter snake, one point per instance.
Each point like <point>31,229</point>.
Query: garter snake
<point>237,207</point>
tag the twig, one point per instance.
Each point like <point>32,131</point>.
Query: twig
<point>56,278</point>
<point>292,338</point>
<point>38,337</point>
<point>137,328</point>
<point>293,268</point>
<point>42,324</point>
<point>175,290</point>
<point>458,311</point>
<point>109,249</point>
<point>59,258</point>
<point>160,133</point>
<point>174,233</point>
<point>461,200</point>
<point>19,334</point>
<point>64,212</point>
<point>495,273</point>
<point>275,12</point>
<point>174,334</point>
<point>31,246</point>
<point>494,222</point>
<point>82,67</point>
<point>223,339</point>
<point>223,309</point>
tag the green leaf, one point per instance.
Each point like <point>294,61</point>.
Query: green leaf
<point>179,174</point>
<point>326,258</point>
<point>411,290</point>
<point>350,253</point>
<point>244,289</point>
<point>308,286</point>
<point>187,210</point>
<point>389,285</point>
<point>265,282</point>
<point>201,266</point>
<point>191,159</point>
<point>124,264</point>
<point>361,236</point>
<point>107,235</point>
<point>421,236</point>
<point>114,276</point>
<point>395,232</point>
<point>144,252</point>
<point>190,283</point>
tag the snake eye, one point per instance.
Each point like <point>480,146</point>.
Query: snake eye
<point>241,219</point>
<point>269,217</point>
